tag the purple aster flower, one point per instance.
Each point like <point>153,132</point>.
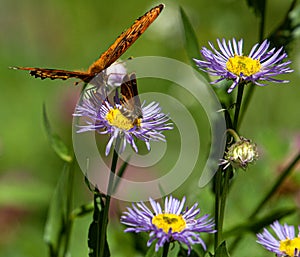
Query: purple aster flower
<point>229,62</point>
<point>106,118</point>
<point>173,223</point>
<point>284,244</point>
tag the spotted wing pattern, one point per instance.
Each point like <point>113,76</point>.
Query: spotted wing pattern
<point>56,74</point>
<point>125,40</point>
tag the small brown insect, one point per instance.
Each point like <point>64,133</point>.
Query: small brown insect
<point>122,43</point>
<point>130,99</point>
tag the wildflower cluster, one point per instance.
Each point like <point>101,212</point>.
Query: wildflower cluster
<point>113,107</point>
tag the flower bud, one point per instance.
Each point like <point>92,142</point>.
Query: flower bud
<point>240,154</point>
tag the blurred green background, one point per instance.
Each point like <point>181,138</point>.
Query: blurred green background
<point>71,35</point>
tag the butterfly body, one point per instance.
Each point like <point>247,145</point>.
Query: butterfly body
<point>121,44</point>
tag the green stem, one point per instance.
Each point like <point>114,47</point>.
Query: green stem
<point>222,181</point>
<point>225,188</point>
<point>250,93</point>
<point>108,197</point>
<point>217,185</point>
<point>247,100</point>
<point>166,249</point>
<point>238,105</point>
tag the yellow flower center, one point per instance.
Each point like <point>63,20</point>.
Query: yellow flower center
<point>243,64</point>
<point>117,119</point>
<point>167,221</point>
<point>288,246</point>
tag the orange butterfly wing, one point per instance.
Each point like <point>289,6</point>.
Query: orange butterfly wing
<point>122,43</point>
<point>125,40</point>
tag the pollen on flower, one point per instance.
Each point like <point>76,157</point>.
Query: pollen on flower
<point>117,119</point>
<point>166,221</point>
<point>243,65</point>
<point>289,246</point>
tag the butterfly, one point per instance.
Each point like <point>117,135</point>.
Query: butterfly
<point>122,43</point>
<point>130,101</point>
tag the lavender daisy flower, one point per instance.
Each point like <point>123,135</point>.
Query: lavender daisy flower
<point>171,224</point>
<point>229,62</point>
<point>286,244</point>
<point>106,118</point>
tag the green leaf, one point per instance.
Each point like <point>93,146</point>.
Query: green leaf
<point>59,223</point>
<point>173,249</point>
<point>221,250</point>
<point>56,142</point>
<point>191,42</point>
<point>94,234</point>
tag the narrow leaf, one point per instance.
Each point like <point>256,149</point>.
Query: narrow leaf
<point>58,222</point>
<point>221,251</point>
<point>191,42</point>
<point>94,234</point>
<point>56,142</point>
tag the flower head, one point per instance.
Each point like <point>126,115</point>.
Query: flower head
<point>240,154</point>
<point>173,223</point>
<point>113,119</point>
<point>286,244</point>
<point>229,62</point>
